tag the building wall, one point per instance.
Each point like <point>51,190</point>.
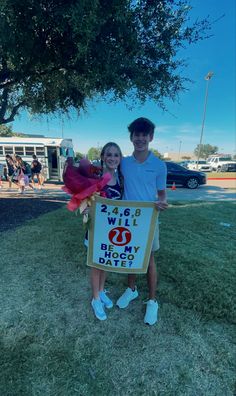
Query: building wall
<point>178,157</point>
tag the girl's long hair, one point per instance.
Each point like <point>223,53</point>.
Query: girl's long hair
<point>119,174</point>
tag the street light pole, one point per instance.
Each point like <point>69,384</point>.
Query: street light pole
<point>207,78</point>
<point>179,148</point>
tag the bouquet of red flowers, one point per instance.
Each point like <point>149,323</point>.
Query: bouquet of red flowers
<point>83,182</point>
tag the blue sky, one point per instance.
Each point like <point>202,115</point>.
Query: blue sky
<point>182,123</point>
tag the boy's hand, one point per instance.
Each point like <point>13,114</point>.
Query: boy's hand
<point>161,205</point>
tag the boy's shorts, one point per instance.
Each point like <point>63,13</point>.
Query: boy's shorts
<point>155,243</point>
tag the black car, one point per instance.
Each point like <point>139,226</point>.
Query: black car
<point>228,168</point>
<point>184,177</point>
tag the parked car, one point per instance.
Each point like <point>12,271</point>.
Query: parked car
<point>184,177</point>
<point>201,165</point>
<point>185,163</point>
<point>216,162</point>
<point>228,167</point>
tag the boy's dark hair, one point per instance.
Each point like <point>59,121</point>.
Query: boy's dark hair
<point>142,125</point>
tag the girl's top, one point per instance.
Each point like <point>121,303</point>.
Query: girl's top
<point>10,168</point>
<point>113,192</point>
<point>36,166</point>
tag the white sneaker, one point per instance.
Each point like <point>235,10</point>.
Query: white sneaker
<point>126,297</point>
<point>106,300</point>
<point>151,312</point>
<point>98,309</point>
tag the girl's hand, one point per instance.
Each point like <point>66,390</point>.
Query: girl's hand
<point>85,211</point>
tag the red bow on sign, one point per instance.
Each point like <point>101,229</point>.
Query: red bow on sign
<point>82,182</point>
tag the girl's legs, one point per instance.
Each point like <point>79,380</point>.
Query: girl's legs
<point>32,179</point>
<point>96,302</point>
<point>102,280</point>
<point>39,180</point>
<point>95,282</point>
<point>98,278</point>
<point>9,181</point>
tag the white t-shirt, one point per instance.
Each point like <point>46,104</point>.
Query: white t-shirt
<point>143,180</point>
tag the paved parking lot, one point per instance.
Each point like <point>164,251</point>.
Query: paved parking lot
<point>202,193</point>
<point>223,190</point>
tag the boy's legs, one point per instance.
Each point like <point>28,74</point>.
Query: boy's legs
<point>152,278</point>
<point>131,281</point>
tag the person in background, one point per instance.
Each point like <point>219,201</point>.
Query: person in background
<point>11,168</point>
<point>36,168</point>
<point>23,172</point>
<point>1,174</point>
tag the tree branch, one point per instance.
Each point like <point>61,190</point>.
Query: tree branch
<point>4,108</point>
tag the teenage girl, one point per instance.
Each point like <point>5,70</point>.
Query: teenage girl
<point>110,160</point>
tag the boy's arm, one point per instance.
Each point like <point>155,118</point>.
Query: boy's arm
<point>161,202</point>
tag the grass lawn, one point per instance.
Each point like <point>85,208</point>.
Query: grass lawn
<point>51,344</point>
<point>221,175</point>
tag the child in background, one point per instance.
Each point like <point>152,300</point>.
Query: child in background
<point>110,160</point>
<point>23,174</point>
<point>36,168</point>
<point>11,168</point>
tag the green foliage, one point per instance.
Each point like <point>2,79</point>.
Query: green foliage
<point>157,153</point>
<point>55,55</point>
<point>94,153</point>
<point>6,130</point>
<point>205,150</point>
<point>79,156</point>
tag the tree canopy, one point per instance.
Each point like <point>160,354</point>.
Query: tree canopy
<point>6,131</point>
<point>205,150</point>
<point>157,153</point>
<point>57,54</point>
<point>94,153</point>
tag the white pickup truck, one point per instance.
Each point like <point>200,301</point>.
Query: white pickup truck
<point>217,162</point>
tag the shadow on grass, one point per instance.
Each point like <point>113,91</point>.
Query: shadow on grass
<point>15,212</point>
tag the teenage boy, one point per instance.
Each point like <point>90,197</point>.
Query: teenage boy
<point>144,180</point>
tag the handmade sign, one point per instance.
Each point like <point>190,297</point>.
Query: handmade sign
<point>121,235</point>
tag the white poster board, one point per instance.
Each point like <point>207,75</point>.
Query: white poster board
<point>121,235</point>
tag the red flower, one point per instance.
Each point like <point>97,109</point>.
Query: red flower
<point>82,181</point>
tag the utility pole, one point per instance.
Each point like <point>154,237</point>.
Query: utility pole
<point>62,128</point>
<point>207,78</point>
<point>179,149</point>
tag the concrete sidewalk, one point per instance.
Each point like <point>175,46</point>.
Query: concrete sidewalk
<point>215,190</point>
<point>202,193</point>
